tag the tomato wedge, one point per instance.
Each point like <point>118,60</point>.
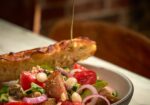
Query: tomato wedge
<point>85,77</point>
<point>17,103</point>
<point>77,103</point>
<point>77,66</point>
<point>26,78</point>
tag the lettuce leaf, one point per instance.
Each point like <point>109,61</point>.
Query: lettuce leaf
<point>98,85</point>
<point>4,94</point>
<point>47,67</point>
<point>35,88</point>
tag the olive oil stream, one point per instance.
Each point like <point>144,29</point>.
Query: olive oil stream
<point>72,20</point>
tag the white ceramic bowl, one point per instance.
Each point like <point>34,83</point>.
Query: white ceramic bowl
<point>117,81</point>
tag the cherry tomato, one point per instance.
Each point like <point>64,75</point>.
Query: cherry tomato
<point>77,66</point>
<point>26,78</point>
<point>17,103</point>
<point>67,103</point>
<point>85,77</point>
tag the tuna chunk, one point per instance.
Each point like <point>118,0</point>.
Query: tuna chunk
<point>55,86</point>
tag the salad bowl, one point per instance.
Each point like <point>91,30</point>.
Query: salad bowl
<point>118,81</point>
<point>111,87</point>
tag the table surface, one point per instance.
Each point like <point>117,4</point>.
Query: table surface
<point>14,38</point>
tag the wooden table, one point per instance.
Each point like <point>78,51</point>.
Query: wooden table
<point>14,38</point>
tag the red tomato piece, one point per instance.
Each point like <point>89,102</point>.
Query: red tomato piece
<point>17,103</point>
<point>85,77</point>
<point>77,66</point>
<point>42,84</point>
<point>67,103</point>
<point>26,78</point>
<point>77,103</point>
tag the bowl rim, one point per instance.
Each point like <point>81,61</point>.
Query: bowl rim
<point>131,89</point>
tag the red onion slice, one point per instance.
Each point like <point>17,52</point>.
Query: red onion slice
<point>63,72</point>
<point>92,89</point>
<point>35,100</point>
<point>95,96</point>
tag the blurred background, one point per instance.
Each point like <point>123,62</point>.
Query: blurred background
<point>130,13</point>
<point>121,28</point>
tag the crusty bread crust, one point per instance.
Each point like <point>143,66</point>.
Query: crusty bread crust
<point>64,53</point>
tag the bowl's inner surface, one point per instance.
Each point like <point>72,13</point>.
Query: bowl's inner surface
<point>115,80</point>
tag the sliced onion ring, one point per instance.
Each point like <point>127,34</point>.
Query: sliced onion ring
<point>92,89</point>
<point>95,96</point>
<point>35,100</point>
<point>63,72</point>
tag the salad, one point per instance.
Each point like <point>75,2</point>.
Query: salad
<point>44,85</point>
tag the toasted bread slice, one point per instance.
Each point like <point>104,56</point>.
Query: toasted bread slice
<point>64,53</point>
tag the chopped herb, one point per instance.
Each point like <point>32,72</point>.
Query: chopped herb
<point>75,87</point>
<point>35,88</point>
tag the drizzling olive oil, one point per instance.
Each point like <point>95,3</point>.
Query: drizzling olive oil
<point>72,20</point>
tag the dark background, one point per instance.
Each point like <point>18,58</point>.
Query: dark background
<point>130,13</point>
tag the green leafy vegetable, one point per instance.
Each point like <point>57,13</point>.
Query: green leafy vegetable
<point>35,88</point>
<point>98,85</point>
<point>85,93</point>
<point>75,87</point>
<point>4,89</point>
<point>4,94</point>
<point>4,97</point>
<point>47,67</point>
